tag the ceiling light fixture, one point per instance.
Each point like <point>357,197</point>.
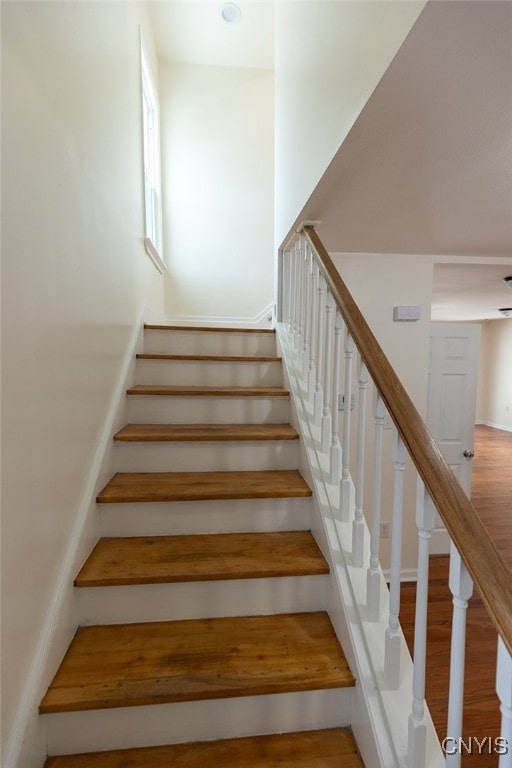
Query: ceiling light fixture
<point>507,311</point>
<point>508,281</point>
<point>230,13</point>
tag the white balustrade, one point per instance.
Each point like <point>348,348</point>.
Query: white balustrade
<point>315,324</point>
<point>346,483</point>
<point>393,635</point>
<point>417,731</point>
<point>358,525</point>
<point>335,449</point>
<point>373,573</point>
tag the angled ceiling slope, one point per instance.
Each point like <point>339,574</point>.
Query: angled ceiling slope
<point>427,167</point>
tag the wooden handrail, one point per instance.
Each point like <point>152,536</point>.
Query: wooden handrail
<point>483,561</point>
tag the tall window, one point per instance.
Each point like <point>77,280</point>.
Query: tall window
<point>151,133</point>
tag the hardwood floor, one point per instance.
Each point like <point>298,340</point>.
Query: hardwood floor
<point>492,497</point>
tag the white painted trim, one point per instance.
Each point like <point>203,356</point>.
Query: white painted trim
<point>495,426</point>
<point>264,319</point>
<point>406,574</point>
<point>154,256</point>
<point>36,679</point>
<point>381,714</point>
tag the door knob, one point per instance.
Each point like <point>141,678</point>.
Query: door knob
<point>468,454</point>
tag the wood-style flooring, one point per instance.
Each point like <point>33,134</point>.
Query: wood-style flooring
<point>492,498</point>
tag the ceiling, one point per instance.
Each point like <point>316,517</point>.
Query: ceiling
<point>427,167</point>
<point>193,32</point>
<point>470,292</point>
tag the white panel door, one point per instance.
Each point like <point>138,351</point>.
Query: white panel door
<point>453,374</point>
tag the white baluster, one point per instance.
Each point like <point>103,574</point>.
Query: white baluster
<point>417,732</point>
<point>308,303</point>
<point>373,574</point>
<point>320,346</point>
<point>326,412</point>
<point>296,287</point>
<point>393,636</point>
<point>313,349</point>
<point>504,691</point>
<point>291,288</point>
<point>302,305</point>
<point>358,524</point>
<point>345,473</point>
<point>461,586</point>
<point>335,450</point>
<point>298,305</point>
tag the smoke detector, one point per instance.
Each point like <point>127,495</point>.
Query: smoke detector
<point>230,13</point>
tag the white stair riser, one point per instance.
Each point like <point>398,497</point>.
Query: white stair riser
<point>208,374</point>
<point>207,410</point>
<point>196,721</point>
<point>206,456</point>
<point>201,599</point>
<point>189,517</point>
<point>208,343</point>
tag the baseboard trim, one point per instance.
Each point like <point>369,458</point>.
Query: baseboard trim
<point>406,574</point>
<point>265,319</point>
<point>28,708</point>
<point>494,425</point>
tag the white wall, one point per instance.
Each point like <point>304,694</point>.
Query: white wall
<point>494,401</point>
<point>217,139</point>
<point>75,281</point>
<point>379,282</point>
<point>329,57</point>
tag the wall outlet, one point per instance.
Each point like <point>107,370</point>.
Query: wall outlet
<point>341,402</point>
<point>385,530</point>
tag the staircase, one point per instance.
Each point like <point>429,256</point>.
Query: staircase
<point>203,604</point>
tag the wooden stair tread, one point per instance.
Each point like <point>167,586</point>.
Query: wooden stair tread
<point>208,486</point>
<point>329,748</point>
<point>206,329</point>
<point>199,391</point>
<point>166,559</point>
<point>211,358</point>
<point>159,662</point>
<point>205,432</point>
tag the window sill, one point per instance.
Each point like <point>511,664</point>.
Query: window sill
<point>154,256</point>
